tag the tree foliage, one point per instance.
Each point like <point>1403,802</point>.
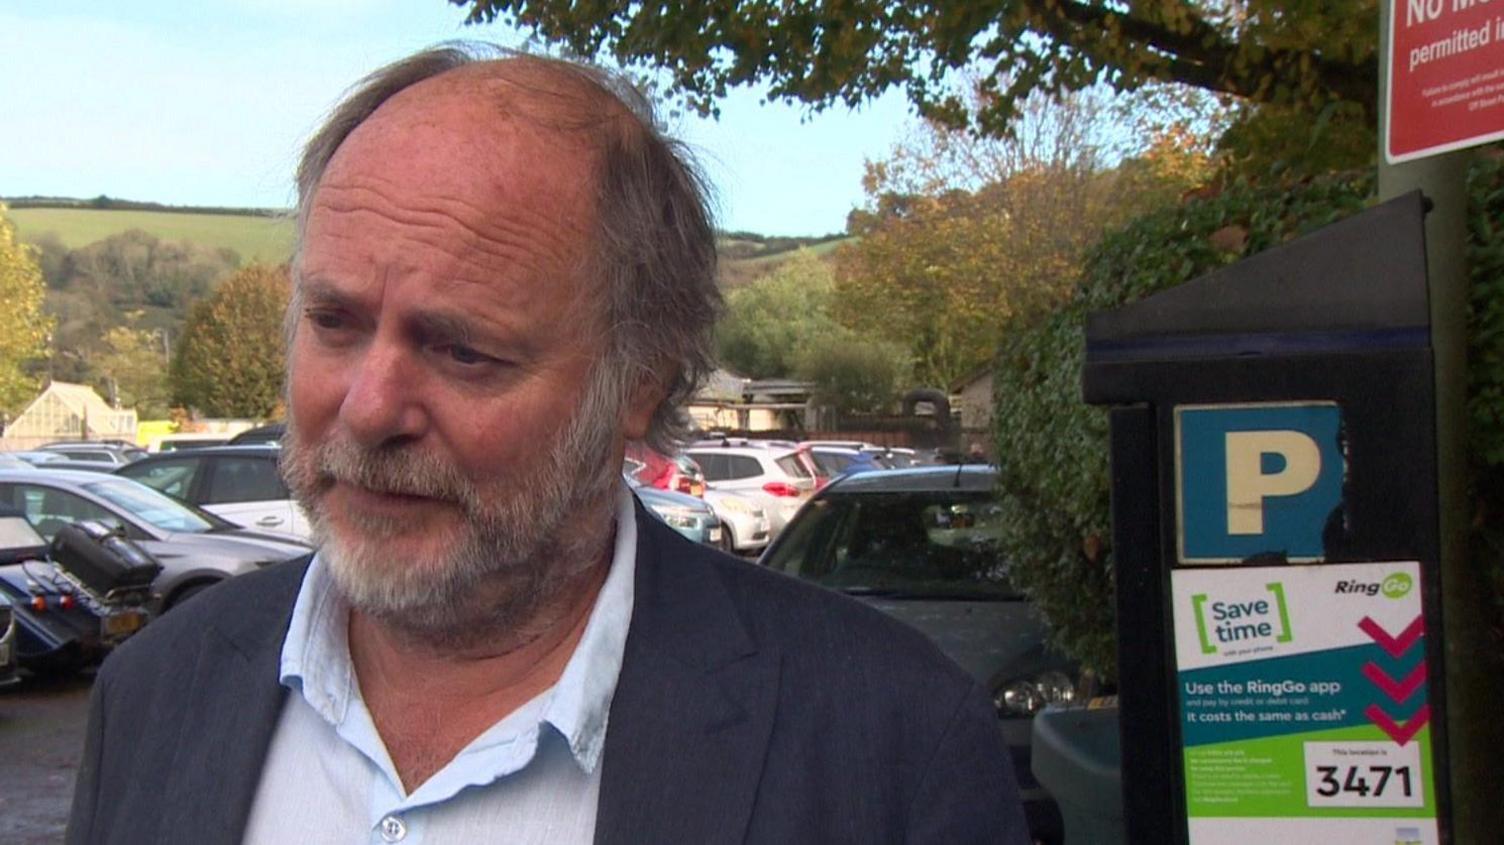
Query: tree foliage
<point>853,374</point>
<point>968,236</point>
<point>134,367</point>
<point>24,328</point>
<point>848,51</point>
<point>769,320</point>
<point>131,278</point>
<point>230,360</point>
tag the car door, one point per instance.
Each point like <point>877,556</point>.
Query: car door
<point>246,490</point>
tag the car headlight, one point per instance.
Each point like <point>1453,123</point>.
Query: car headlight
<point>1024,697</point>
<point>735,505</point>
<point>678,517</point>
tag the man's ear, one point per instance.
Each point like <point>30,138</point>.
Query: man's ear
<point>641,404</point>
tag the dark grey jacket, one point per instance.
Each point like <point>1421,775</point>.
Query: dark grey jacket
<point>751,708</point>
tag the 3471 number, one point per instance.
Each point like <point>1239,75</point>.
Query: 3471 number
<point>1363,781</point>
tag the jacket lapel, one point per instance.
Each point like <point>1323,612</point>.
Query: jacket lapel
<point>226,727</point>
<point>693,708</point>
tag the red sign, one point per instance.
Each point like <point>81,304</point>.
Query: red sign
<point>1446,76</point>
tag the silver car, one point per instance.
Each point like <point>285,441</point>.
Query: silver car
<point>744,523</point>
<point>196,548</point>
<point>771,475</point>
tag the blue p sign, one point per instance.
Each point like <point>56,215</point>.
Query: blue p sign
<point>1252,479</point>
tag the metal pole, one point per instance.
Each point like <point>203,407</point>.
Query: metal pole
<point>1473,687</point>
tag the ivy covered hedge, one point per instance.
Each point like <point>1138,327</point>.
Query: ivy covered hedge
<point>1053,448</point>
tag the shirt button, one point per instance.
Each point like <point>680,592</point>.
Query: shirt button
<point>393,829</point>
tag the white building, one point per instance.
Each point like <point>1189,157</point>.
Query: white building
<point>67,411</point>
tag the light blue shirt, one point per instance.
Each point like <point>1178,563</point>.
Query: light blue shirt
<point>534,776</point>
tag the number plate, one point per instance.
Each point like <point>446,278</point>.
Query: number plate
<point>1363,774</point>
<point>120,624</point>
<point>715,535</point>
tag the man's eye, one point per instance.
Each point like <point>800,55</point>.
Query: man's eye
<point>465,355</point>
<point>326,320</point>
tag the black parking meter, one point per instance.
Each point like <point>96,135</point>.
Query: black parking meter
<point>1274,494</point>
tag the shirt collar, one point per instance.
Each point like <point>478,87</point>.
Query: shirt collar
<point>315,660</point>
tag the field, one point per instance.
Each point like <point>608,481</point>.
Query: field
<point>269,239</point>
<point>265,239</point>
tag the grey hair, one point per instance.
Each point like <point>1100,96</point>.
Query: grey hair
<point>656,252</point>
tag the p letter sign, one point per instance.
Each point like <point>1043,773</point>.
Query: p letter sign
<point>1256,479</point>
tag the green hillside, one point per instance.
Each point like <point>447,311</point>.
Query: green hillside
<point>254,238</point>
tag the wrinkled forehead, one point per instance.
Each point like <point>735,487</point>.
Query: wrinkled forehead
<point>478,138</point>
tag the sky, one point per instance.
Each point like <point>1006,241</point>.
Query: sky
<point>208,103</point>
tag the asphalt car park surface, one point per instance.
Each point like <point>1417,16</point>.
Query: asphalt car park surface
<point>42,724</point>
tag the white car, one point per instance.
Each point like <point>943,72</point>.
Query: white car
<point>744,523</point>
<point>238,483</point>
<point>774,476</point>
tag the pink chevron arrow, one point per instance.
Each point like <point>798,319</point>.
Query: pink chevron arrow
<point>1397,732</point>
<point>1396,646</point>
<point>1397,690</point>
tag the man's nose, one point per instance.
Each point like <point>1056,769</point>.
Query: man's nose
<point>382,403</point>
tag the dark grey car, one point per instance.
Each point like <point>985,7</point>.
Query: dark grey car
<point>922,546</point>
<point>196,548</point>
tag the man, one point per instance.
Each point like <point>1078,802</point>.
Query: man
<point>504,273</point>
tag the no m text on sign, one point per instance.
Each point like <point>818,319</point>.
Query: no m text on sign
<point>1256,479</point>
<point>1446,76</point>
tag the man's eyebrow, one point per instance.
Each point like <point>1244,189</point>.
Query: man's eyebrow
<point>324,294</point>
<point>439,326</point>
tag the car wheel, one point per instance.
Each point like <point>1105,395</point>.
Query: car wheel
<point>728,539</point>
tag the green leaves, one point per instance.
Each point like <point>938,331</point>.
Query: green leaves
<point>25,330</point>
<point>824,52</point>
<point>231,358</point>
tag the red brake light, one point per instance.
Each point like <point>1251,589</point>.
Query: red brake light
<point>66,602</point>
<point>778,488</point>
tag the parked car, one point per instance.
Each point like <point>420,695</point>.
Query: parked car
<point>774,476</point>
<point>177,442</point>
<point>196,548</point>
<point>61,623</point>
<point>689,515</point>
<point>922,546</point>
<point>98,451</point>
<point>37,457</point>
<point>81,466</point>
<point>744,524</point>
<point>836,461</point>
<point>678,473</point>
<point>268,435</point>
<point>10,461</point>
<point>239,483</point>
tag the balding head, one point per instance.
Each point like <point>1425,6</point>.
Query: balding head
<point>654,260</point>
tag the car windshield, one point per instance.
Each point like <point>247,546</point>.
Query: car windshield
<point>941,545</point>
<point>149,506</point>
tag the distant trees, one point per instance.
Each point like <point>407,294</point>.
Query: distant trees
<point>965,237</point>
<point>767,322</point>
<point>24,328</point>
<point>783,326</point>
<point>130,280</point>
<point>230,359</point>
<point>133,364</point>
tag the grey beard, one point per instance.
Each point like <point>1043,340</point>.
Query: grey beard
<point>525,539</point>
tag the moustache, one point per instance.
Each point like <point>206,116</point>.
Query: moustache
<point>401,471</point>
